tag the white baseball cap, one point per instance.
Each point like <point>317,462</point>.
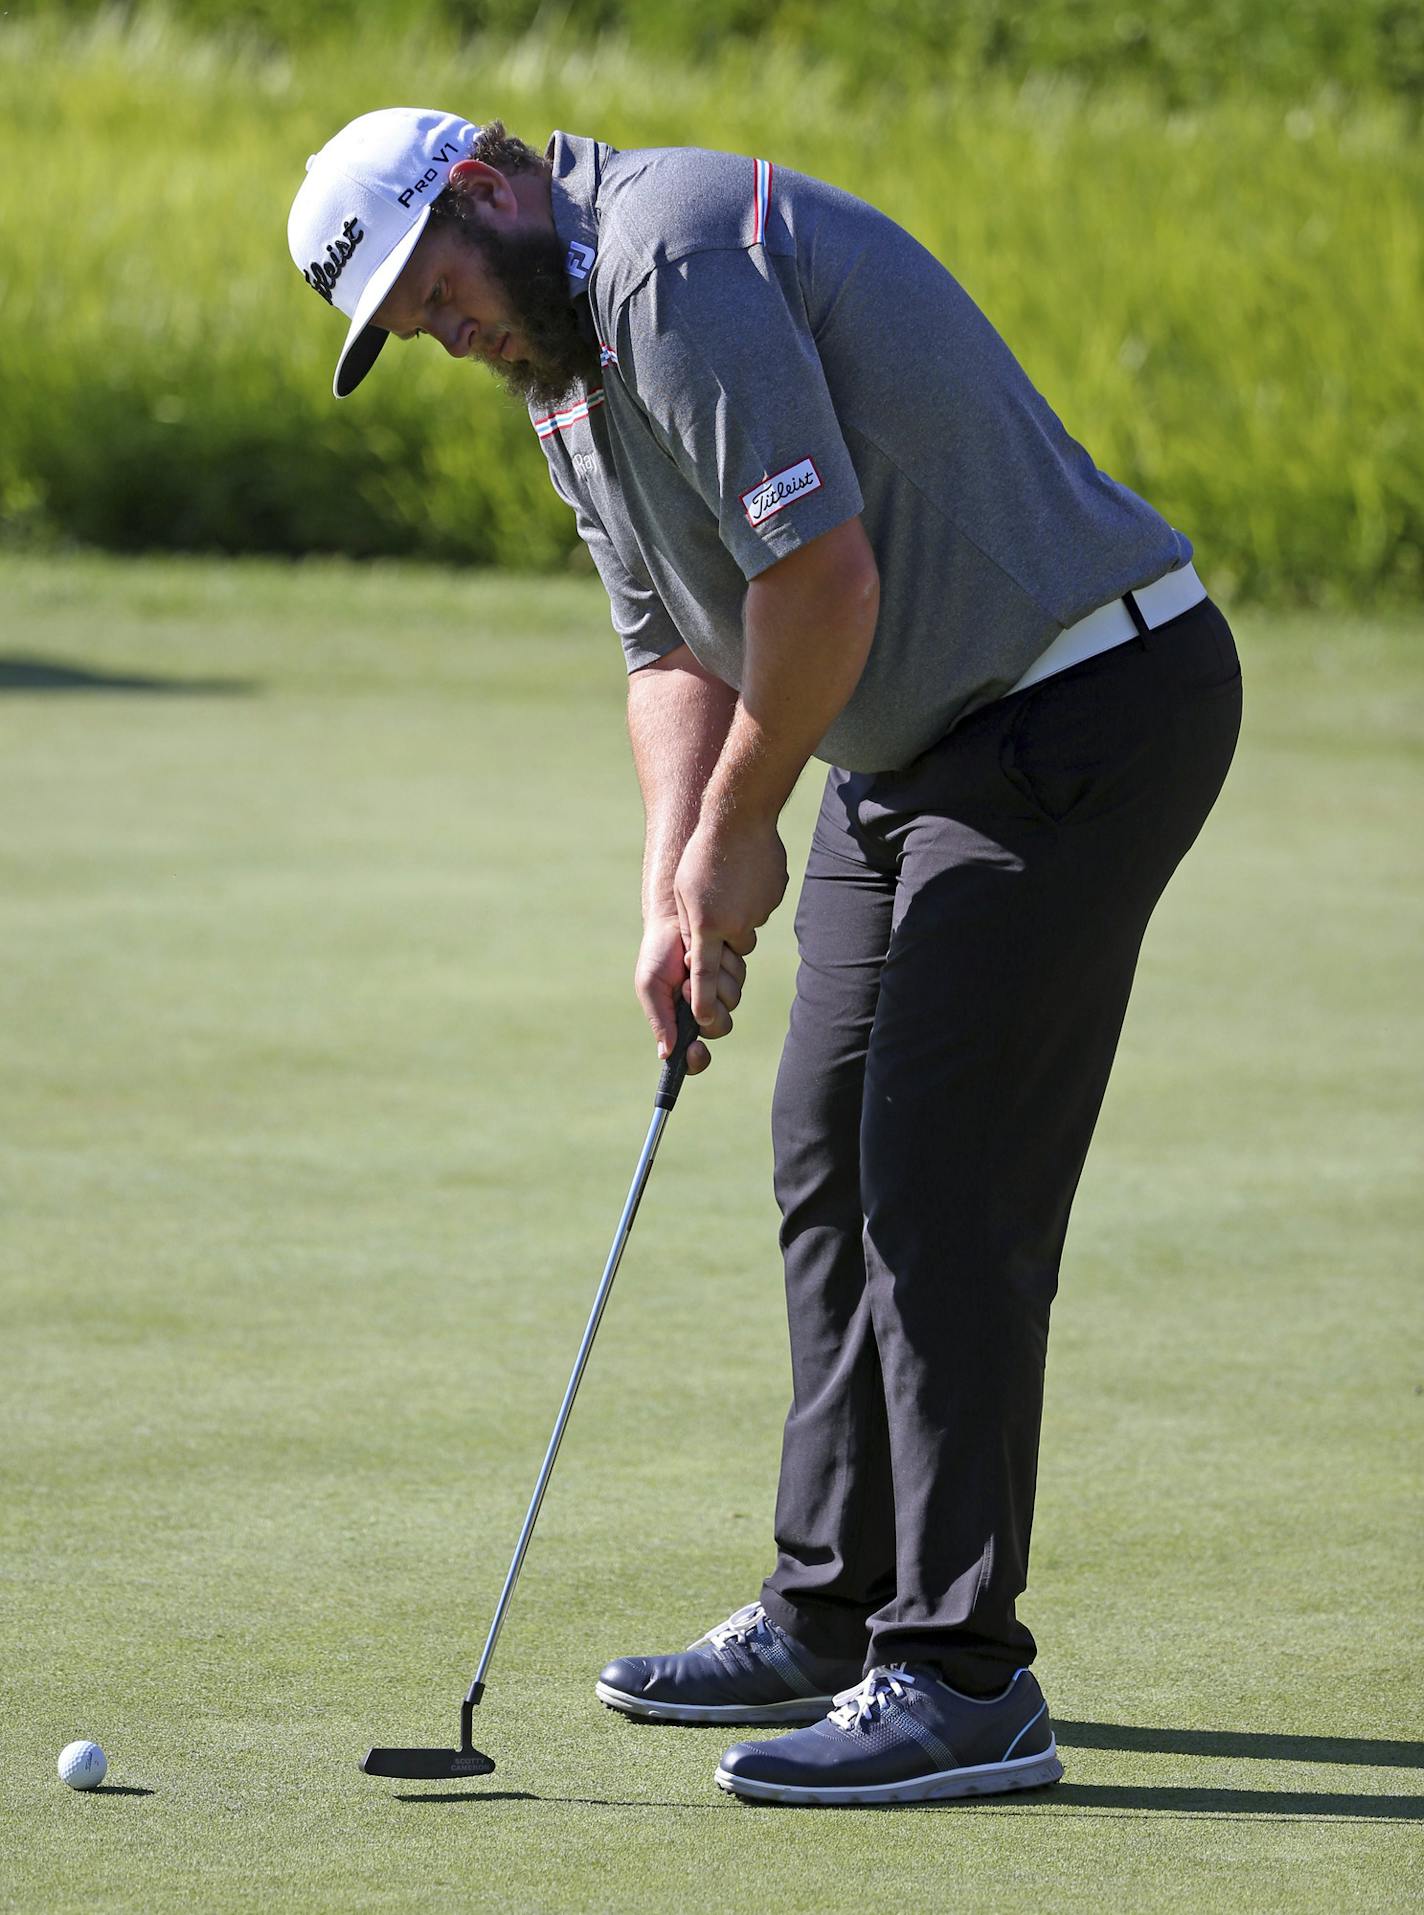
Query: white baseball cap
<point>361,208</point>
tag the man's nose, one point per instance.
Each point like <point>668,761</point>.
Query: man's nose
<point>450,335</point>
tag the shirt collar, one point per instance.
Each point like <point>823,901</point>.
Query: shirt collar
<point>573,190</point>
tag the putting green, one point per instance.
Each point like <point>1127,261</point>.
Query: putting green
<point>323,1083</point>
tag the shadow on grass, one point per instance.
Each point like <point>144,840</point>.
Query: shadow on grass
<point>1108,1799</point>
<point>118,1788</point>
<point>21,673</point>
<point>554,1801</point>
<point>1262,1744</point>
<point>471,1795</point>
<point>1282,1805</point>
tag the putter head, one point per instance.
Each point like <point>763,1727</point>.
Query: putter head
<point>427,1765</point>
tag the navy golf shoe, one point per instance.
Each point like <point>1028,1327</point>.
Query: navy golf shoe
<point>745,1670</point>
<point>902,1735</point>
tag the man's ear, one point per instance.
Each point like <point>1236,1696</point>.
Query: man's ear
<point>484,184</point>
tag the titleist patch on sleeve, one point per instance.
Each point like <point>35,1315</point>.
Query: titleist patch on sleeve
<point>770,496</point>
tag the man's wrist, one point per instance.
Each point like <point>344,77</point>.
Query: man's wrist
<point>744,796</point>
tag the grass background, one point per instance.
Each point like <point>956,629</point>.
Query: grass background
<point>1183,50</point>
<point>1210,261</point>
<point>323,1086</point>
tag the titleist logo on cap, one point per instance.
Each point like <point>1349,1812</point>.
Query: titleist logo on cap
<point>323,274</point>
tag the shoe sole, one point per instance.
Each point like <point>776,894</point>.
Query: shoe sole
<point>991,1778</point>
<point>804,1709</point>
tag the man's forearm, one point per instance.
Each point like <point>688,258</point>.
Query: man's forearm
<point>678,720</point>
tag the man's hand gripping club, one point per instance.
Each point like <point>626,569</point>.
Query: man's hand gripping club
<point>728,883</point>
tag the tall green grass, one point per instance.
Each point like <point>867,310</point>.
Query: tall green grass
<point>1185,50</point>
<point>1223,303</point>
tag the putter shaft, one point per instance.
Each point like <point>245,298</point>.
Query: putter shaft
<point>673,1073</point>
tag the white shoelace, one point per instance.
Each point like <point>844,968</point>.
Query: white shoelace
<point>864,1703</point>
<point>739,1625</point>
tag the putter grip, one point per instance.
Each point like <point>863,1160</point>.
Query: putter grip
<point>675,1069</point>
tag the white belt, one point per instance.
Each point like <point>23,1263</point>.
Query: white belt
<point>1166,598</point>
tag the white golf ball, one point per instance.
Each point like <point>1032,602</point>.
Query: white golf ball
<point>83,1765</point>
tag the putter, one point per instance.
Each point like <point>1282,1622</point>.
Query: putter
<point>465,1762</point>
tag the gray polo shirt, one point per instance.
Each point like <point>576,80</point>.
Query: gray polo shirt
<point>778,357</point>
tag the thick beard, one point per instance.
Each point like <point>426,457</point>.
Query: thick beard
<point>529,268</point>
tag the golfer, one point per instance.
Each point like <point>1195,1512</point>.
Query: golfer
<point>835,520</point>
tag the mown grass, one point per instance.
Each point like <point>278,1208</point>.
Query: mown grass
<point>323,1084</point>
<point>1222,302</point>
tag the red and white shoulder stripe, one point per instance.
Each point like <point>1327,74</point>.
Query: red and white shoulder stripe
<point>567,416</point>
<point>761,205</point>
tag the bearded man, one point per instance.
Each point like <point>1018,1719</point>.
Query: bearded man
<point>835,520</point>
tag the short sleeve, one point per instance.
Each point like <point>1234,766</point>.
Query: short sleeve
<point>640,618</point>
<point>717,351</point>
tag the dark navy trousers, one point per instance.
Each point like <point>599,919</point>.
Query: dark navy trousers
<point>968,929</point>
